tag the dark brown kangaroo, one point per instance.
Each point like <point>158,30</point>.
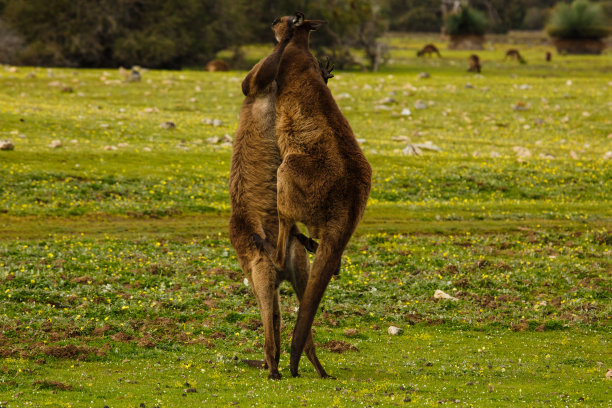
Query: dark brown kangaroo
<point>252,188</point>
<point>429,49</point>
<point>324,180</point>
<point>474,63</point>
<point>515,54</point>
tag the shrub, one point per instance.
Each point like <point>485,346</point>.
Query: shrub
<point>580,20</point>
<point>466,21</point>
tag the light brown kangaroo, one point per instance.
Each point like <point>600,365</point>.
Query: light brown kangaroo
<point>324,180</point>
<point>252,188</point>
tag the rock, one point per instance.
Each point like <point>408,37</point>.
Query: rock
<point>524,87</point>
<point>522,152</point>
<point>495,155</point>
<point>573,155</point>
<point>110,147</point>
<point>438,294</point>
<point>167,125</point>
<point>226,139</point>
<point>428,145</point>
<point>405,112</point>
<point>344,95</point>
<point>546,156</point>
<point>55,144</point>
<point>361,141</point>
<point>387,101</point>
<point>538,121</point>
<point>151,110</point>
<point>246,282</point>
<point>381,107</point>
<point>412,150</point>
<point>609,374</point>
<point>469,86</point>
<point>400,138</point>
<point>213,140</point>
<point>606,156</point>
<point>420,105</point>
<point>394,331</point>
<point>423,75</point>
<point>216,122</point>
<point>6,145</point>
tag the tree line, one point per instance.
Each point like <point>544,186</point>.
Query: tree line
<point>177,33</point>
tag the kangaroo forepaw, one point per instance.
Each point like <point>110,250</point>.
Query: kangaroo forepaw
<point>326,68</point>
<point>258,242</point>
<point>310,244</point>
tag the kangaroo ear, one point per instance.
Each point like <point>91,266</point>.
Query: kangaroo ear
<point>313,25</point>
<point>298,19</point>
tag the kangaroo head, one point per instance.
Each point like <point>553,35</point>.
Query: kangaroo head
<point>284,27</point>
<point>308,25</point>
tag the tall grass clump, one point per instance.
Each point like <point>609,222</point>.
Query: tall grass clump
<point>579,20</point>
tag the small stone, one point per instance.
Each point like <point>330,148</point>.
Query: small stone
<point>423,75</point>
<point>217,122</point>
<point>381,107</point>
<point>151,110</point>
<point>547,156</point>
<point>420,105</point>
<point>609,374</point>
<point>167,125</point>
<point>524,87</point>
<point>213,140</point>
<point>412,150</point>
<point>538,121</point>
<point>55,144</point>
<point>246,282</point>
<point>522,152</point>
<point>344,95</point>
<point>438,294</point>
<point>428,145</point>
<point>573,155</point>
<point>6,145</point>
<point>361,141</point>
<point>388,100</point>
<point>607,155</point>
<point>400,138</point>
<point>495,155</point>
<point>469,86</point>
<point>394,331</point>
<point>226,139</point>
<point>110,147</point>
<point>405,112</point>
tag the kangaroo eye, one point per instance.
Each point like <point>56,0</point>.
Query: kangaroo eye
<point>276,21</point>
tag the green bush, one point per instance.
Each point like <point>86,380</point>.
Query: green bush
<point>581,19</point>
<point>466,21</point>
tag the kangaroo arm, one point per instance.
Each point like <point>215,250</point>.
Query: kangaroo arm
<point>260,78</point>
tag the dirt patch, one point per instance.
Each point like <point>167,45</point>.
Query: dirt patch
<point>339,346</point>
<point>122,337</point>
<point>52,385</point>
<point>70,351</point>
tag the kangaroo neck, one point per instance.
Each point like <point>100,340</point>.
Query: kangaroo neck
<point>301,39</point>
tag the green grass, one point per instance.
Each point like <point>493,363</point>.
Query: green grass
<point>119,286</point>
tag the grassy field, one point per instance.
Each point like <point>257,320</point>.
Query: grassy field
<point>119,287</point>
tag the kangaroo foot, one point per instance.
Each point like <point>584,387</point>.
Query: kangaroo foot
<point>310,244</point>
<point>274,375</point>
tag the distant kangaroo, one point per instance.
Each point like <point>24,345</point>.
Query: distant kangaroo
<point>429,49</point>
<point>515,54</point>
<point>252,189</point>
<point>324,180</point>
<point>474,63</point>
